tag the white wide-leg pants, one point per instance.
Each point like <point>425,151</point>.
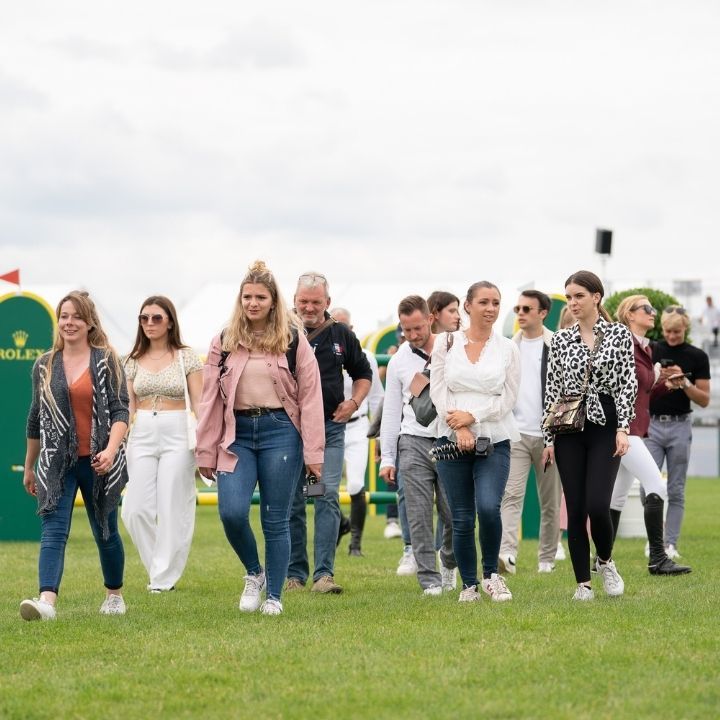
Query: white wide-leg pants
<point>637,463</point>
<point>158,508</point>
<point>356,454</point>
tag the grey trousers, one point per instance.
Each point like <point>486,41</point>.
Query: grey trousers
<point>671,441</point>
<point>422,489</point>
<point>525,453</point>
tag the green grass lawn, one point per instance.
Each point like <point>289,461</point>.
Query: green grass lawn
<point>379,650</point>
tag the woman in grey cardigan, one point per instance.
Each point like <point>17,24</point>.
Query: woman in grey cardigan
<point>75,430</point>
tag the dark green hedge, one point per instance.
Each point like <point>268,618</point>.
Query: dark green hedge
<point>658,299</point>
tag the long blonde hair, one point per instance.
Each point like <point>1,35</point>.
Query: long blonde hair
<point>280,322</point>
<point>96,337</point>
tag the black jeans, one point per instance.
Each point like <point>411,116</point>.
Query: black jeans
<point>587,471</point>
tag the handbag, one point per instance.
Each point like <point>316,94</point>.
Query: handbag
<point>420,401</point>
<point>190,419</point>
<point>567,415</point>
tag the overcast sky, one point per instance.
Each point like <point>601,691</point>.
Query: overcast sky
<point>162,146</point>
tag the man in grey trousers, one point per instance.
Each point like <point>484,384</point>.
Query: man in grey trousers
<point>406,446</point>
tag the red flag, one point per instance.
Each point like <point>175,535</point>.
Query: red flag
<point>11,277</point>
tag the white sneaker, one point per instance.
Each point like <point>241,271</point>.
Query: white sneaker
<point>449,578</point>
<point>433,590</point>
<point>113,605</point>
<point>271,607</point>
<point>612,582</point>
<point>671,552</point>
<point>37,609</point>
<point>546,567</point>
<point>407,564</point>
<point>496,588</point>
<point>469,594</point>
<point>583,592</point>
<point>647,549</point>
<point>250,598</point>
<point>506,564</point>
<point>560,554</point>
<point>392,530</point>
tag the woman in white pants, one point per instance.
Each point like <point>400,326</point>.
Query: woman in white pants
<point>159,505</point>
<point>638,314</point>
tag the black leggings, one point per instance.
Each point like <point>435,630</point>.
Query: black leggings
<point>587,471</point>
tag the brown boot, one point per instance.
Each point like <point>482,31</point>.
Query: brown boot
<point>326,584</point>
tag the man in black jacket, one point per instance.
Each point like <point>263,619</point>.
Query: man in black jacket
<point>335,347</point>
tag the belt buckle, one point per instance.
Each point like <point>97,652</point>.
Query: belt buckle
<point>666,418</point>
<point>256,412</point>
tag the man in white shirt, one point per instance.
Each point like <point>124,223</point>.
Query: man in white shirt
<point>406,447</point>
<point>533,339</point>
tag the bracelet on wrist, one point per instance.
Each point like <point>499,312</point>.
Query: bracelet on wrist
<point>357,407</point>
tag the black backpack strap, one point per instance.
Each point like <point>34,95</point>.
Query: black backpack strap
<point>291,353</point>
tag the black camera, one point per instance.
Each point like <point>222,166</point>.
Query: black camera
<point>313,487</point>
<point>484,447</point>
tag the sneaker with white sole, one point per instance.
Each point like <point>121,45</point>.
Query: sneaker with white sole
<point>506,564</point>
<point>469,594</point>
<point>560,554</point>
<point>583,593</point>
<point>449,578</point>
<point>496,588</point>
<point>433,590</point>
<point>271,607</point>
<point>612,582</point>
<point>113,605</point>
<point>407,564</point>
<point>37,609</point>
<point>392,530</point>
<point>250,598</point>
<point>545,567</point>
<point>671,552</point>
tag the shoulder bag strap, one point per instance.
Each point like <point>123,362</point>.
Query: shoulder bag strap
<point>330,321</point>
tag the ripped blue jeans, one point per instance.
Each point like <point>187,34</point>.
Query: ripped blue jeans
<point>269,452</point>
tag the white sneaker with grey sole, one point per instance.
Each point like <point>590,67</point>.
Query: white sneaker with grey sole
<point>113,605</point>
<point>612,582</point>
<point>469,594</point>
<point>407,564</point>
<point>250,598</point>
<point>37,609</point>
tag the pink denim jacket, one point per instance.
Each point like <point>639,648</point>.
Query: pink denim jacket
<point>301,399</point>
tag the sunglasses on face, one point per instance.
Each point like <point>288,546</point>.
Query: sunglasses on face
<point>675,309</point>
<point>649,309</point>
<point>525,308</point>
<point>145,319</point>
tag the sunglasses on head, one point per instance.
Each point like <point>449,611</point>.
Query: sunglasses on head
<point>675,309</point>
<point>649,309</point>
<point>525,308</point>
<point>156,319</point>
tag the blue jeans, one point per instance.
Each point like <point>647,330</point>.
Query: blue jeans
<point>475,486</point>
<point>327,512</point>
<point>269,452</point>
<point>56,528</point>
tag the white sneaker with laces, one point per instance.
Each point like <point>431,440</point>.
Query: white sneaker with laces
<point>469,594</point>
<point>496,588</point>
<point>449,578</point>
<point>392,530</point>
<point>407,564</point>
<point>250,598</point>
<point>583,592</point>
<point>560,554</point>
<point>506,564</point>
<point>113,605</point>
<point>671,552</point>
<point>612,582</point>
<point>433,590</point>
<point>37,609</point>
<point>546,567</point>
<point>271,607</point>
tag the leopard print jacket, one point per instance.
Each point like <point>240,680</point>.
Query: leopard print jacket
<point>613,372</point>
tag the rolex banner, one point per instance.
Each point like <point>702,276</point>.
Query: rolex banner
<point>26,332</point>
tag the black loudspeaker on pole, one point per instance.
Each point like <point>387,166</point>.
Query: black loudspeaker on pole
<point>603,241</point>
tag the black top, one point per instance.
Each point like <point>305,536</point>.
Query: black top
<point>336,348</point>
<point>691,360</point>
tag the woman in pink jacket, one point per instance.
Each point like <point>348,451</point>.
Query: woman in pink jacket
<point>261,414</point>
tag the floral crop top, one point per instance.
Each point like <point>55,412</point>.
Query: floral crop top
<point>168,382</point>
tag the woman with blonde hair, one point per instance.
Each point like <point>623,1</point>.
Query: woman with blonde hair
<point>261,414</point>
<point>638,314</point>
<point>159,505</point>
<point>75,429</point>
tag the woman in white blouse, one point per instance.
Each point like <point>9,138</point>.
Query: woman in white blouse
<point>158,509</point>
<point>474,386</point>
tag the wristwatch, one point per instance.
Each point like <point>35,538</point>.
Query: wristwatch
<point>625,430</point>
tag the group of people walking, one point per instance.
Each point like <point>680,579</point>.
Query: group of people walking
<point>275,402</point>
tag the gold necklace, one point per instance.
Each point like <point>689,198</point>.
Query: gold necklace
<point>159,357</point>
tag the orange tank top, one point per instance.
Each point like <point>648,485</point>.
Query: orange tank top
<point>81,400</point>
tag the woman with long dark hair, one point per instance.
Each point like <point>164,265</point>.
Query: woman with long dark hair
<point>159,505</point>
<point>75,431</point>
<point>588,460</point>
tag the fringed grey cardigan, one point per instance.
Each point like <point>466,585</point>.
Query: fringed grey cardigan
<point>54,426</point>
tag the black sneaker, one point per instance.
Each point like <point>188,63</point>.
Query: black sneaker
<point>666,566</point>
